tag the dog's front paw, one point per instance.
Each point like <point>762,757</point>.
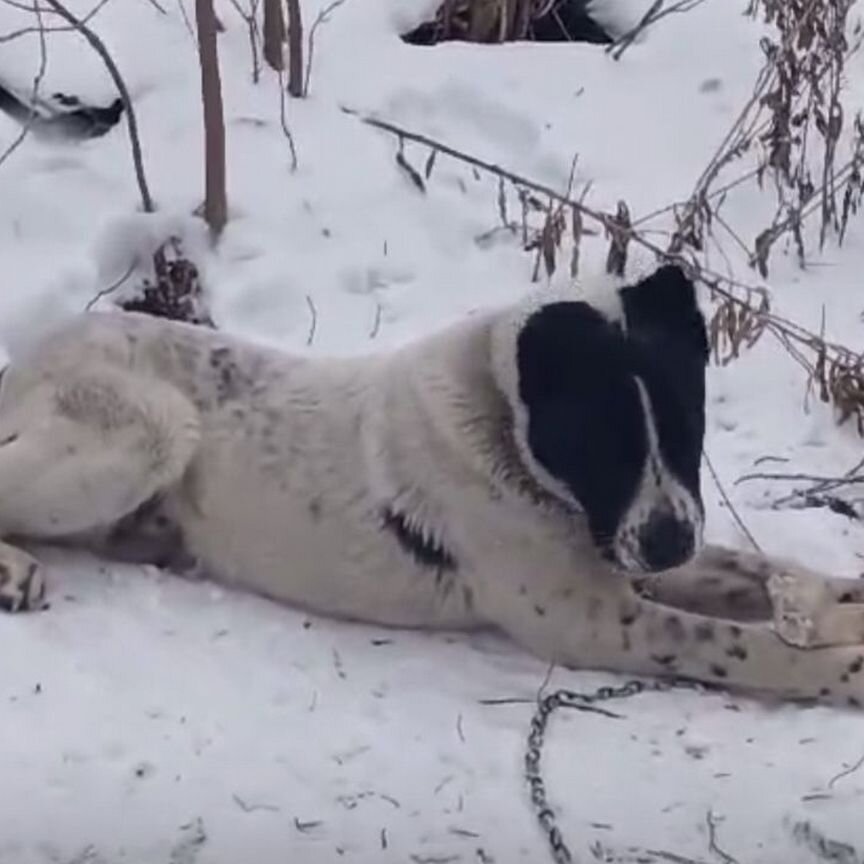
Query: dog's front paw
<point>809,614</point>
<point>22,581</point>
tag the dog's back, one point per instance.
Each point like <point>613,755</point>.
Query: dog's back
<point>290,485</point>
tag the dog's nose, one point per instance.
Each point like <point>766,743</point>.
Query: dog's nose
<point>666,541</point>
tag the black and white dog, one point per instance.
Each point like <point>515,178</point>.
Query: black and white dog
<point>514,470</point>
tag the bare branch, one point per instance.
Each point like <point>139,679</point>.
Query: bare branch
<point>114,286</point>
<point>185,16</point>
<point>739,521</point>
<point>846,772</point>
<point>655,13</point>
<point>34,93</point>
<point>320,19</point>
<point>713,845</point>
<point>251,19</point>
<point>99,47</point>
<point>283,121</point>
<point>313,325</point>
<point>24,7</point>
<point>25,31</point>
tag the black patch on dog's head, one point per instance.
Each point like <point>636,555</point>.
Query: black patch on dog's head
<point>585,423</point>
<point>668,336</point>
<point>578,375</point>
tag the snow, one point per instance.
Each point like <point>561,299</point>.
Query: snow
<point>149,719</point>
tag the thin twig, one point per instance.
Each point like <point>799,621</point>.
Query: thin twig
<point>729,505</point>
<point>252,808</point>
<point>34,93</point>
<point>321,18</point>
<point>547,677</point>
<point>283,121</point>
<point>185,16</point>
<point>673,857</point>
<point>819,486</point>
<point>846,772</point>
<point>104,292</point>
<point>62,28</point>
<point>623,42</point>
<point>713,846</point>
<point>99,47</point>
<point>25,7</point>
<point>655,13</point>
<point>376,324</point>
<point>314,323</point>
<point>809,478</point>
<point>516,700</point>
<point>251,19</point>
<point>714,193</point>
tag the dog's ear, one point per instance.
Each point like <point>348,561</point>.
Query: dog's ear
<point>562,344</point>
<point>664,305</point>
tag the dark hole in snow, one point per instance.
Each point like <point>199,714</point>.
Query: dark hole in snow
<point>515,20</point>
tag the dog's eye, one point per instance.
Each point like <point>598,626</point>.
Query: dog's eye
<point>11,439</point>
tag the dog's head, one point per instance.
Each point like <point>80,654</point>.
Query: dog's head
<point>610,413</point>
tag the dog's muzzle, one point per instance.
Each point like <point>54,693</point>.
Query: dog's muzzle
<point>665,542</point>
<point>661,542</point>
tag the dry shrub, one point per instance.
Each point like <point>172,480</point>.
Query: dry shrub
<point>794,125</point>
<point>508,21</point>
<point>839,376</point>
<point>175,291</point>
<point>737,327</point>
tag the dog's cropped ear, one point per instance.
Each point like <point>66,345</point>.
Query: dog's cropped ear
<point>664,305</point>
<point>562,343</point>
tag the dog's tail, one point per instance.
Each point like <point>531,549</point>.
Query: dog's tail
<point>64,117</point>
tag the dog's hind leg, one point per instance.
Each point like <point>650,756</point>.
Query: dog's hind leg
<point>78,451</point>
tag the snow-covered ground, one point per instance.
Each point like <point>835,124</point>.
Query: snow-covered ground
<point>145,719</point>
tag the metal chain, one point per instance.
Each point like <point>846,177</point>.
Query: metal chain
<point>546,706</point>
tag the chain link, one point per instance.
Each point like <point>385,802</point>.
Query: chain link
<point>546,706</point>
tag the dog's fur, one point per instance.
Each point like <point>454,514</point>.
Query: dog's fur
<point>507,471</point>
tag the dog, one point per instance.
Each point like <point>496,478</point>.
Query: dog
<point>534,468</point>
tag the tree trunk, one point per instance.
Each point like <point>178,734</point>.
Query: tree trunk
<point>295,49</point>
<point>215,195</point>
<point>274,34</point>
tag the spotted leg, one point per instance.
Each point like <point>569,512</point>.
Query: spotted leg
<point>78,452</point>
<point>808,608</point>
<point>603,623</point>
